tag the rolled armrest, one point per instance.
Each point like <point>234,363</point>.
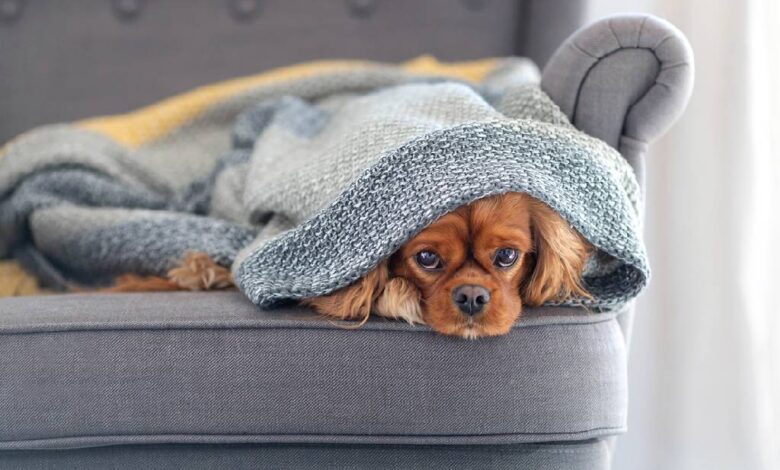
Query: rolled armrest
<point>624,79</point>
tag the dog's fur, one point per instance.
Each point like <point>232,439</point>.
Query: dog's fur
<point>550,256</point>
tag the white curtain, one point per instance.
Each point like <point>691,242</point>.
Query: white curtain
<point>705,356</point>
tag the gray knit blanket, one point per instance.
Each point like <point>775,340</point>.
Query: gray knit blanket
<point>304,186</point>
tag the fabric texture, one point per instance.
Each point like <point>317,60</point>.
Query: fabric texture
<point>592,454</point>
<point>326,176</point>
<point>624,79</point>
<point>211,368</point>
<point>191,50</point>
<point>141,128</point>
<point>14,281</point>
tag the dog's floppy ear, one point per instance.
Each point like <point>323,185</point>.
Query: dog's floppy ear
<point>355,301</point>
<point>560,253</point>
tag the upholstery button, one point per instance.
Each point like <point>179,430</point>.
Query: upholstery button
<point>475,5</point>
<point>127,9</point>
<point>10,10</point>
<point>361,8</point>
<point>244,10</point>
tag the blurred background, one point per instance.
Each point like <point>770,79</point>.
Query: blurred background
<point>705,353</point>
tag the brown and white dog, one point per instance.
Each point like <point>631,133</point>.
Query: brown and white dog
<point>468,274</point>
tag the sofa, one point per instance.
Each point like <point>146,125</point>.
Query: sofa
<point>208,380</point>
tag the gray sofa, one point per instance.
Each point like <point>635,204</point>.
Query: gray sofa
<point>207,380</point>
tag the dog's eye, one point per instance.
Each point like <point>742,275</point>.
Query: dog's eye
<point>505,257</point>
<point>428,260</point>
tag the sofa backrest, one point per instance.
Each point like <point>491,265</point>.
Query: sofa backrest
<point>65,60</point>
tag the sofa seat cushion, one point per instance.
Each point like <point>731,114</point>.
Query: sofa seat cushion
<point>85,370</point>
<point>592,454</point>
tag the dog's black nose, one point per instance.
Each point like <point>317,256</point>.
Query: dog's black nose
<point>470,299</point>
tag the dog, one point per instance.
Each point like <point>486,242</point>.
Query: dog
<point>468,274</point>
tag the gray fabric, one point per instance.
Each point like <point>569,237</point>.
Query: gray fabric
<point>87,370</point>
<point>396,160</point>
<point>34,318</point>
<point>624,79</point>
<point>353,176</point>
<point>168,47</point>
<point>585,455</point>
<point>545,24</point>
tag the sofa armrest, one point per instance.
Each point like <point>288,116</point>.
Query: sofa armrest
<point>624,79</point>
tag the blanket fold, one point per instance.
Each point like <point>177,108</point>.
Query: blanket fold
<point>305,184</point>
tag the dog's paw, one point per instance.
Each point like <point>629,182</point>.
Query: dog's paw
<point>136,283</point>
<point>199,272</point>
<point>400,300</point>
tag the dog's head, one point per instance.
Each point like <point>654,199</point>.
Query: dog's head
<point>469,273</point>
<point>476,267</point>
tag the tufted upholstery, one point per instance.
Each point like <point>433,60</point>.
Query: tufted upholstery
<point>109,56</point>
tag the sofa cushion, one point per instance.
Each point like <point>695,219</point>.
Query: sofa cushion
<point>85,370</point>
<point>592,454</point>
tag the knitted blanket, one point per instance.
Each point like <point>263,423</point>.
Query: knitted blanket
<point>302,184</point>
